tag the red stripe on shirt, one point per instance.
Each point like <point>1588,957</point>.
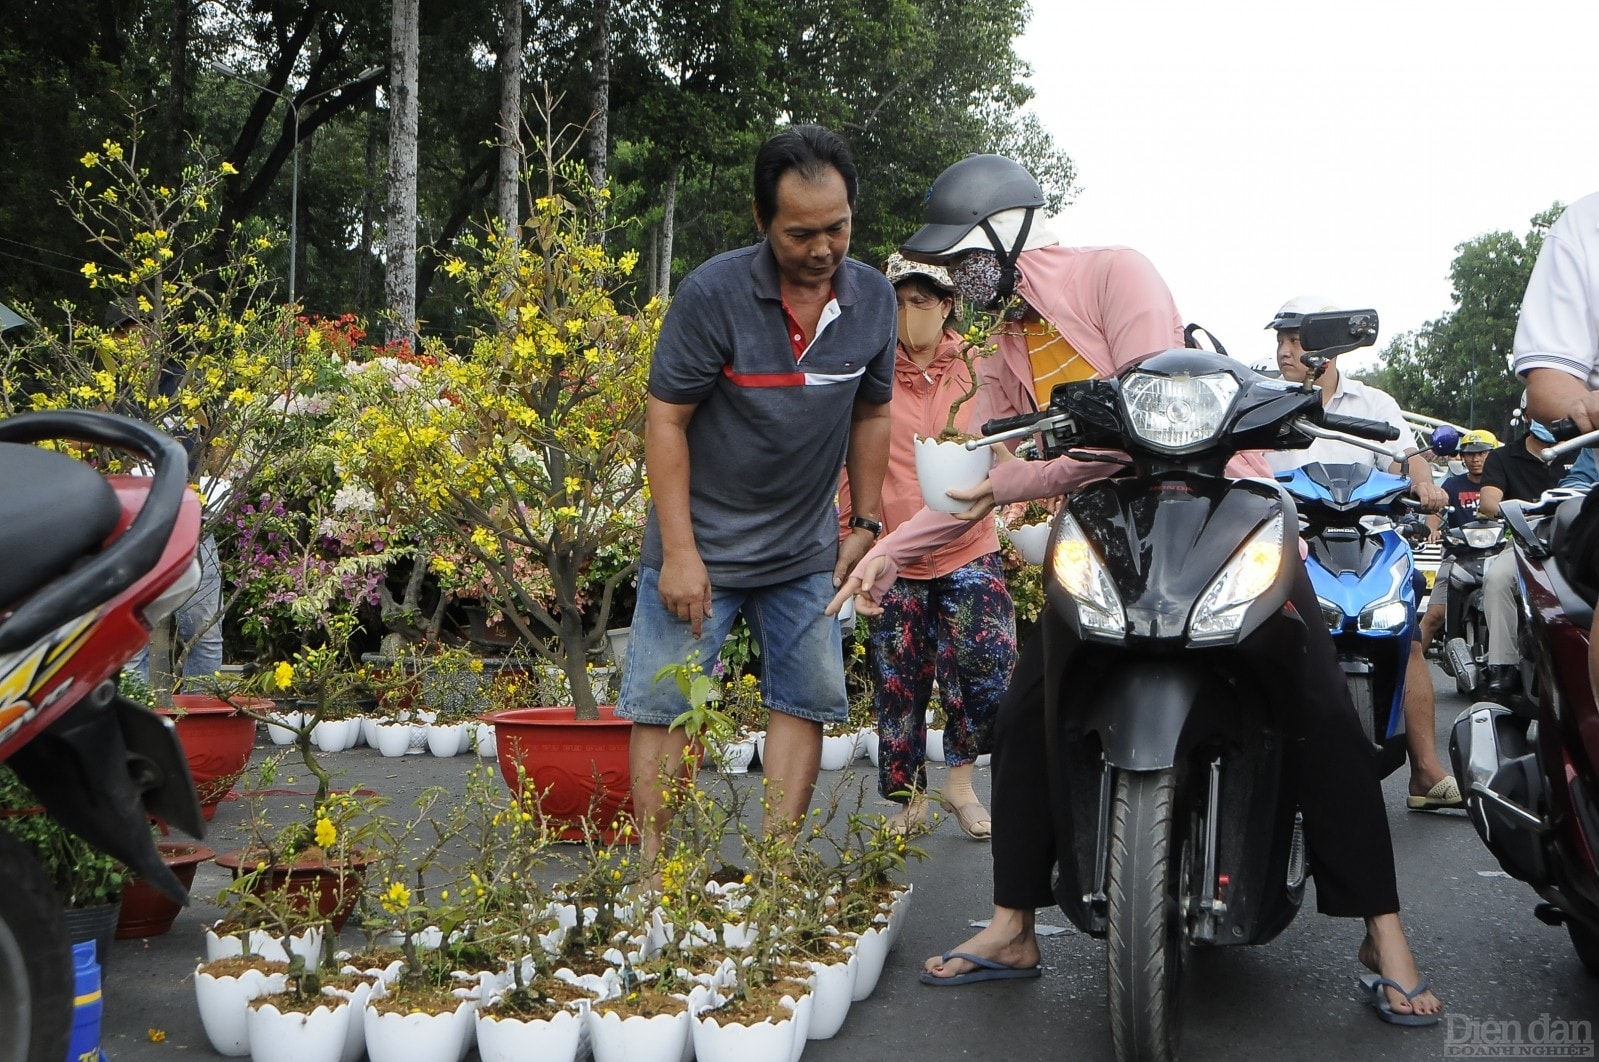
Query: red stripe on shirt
<point>764,379</point>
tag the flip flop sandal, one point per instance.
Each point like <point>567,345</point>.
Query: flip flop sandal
<point>1446,794</point>
<point>1378,998</point>
<point>986,970</point>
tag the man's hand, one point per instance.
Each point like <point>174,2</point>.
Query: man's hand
<point>859,587</point>
<point>685,589</point>
<point>856,544</point>
<point>1432,497</point>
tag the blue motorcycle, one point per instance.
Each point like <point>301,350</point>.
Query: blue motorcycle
<point>1363,571</point>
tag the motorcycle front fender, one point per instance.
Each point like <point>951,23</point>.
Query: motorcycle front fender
<point>1141,713</point>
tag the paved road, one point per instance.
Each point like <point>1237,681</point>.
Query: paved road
<point>1472,929</point>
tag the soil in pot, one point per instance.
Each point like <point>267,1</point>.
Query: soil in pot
<point>758,1003</point>
<point>642,1002</point>
<point>541,1000</point>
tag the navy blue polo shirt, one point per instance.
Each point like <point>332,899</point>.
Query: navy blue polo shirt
<point>769,432</point>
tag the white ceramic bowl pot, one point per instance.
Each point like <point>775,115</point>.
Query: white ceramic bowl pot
<point>944,466</point>
<point>1030,540</point>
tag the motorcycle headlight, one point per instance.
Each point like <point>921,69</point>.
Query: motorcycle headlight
<point>1481,537</point>
<point>1249,574</point>
<point>1177,411</point>
<point>1389,615</point>
<point>1331,614</point>
<point>1077,566</point>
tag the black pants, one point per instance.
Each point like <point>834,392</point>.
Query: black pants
<point>1346,822</point>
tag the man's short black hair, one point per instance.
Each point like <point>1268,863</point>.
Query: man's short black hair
<point>809,149</point>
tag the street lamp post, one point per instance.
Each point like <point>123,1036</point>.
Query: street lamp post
<point>294,164</point>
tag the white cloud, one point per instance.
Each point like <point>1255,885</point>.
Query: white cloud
<point>1255,151</point>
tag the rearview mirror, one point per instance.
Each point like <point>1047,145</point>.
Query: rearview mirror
<point>1334,333</point>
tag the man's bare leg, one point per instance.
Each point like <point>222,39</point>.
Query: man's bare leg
<point>1008,939</point>
<point>790,761</point>
<point>1420,707</point>
<point>1386,951</point>
<point>655,757</point>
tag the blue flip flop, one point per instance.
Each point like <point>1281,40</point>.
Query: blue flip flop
<point>1374,985</point>
<point>987,970</point>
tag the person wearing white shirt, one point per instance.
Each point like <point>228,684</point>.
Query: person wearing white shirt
<point>1557,352</point>
<point>1431,787</point>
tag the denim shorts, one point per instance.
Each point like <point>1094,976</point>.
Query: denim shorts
<point>802,660</point>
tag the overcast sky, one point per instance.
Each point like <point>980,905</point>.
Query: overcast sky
<point>1256,151</point>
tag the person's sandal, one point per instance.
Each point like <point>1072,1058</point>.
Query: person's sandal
<point>973,819</point>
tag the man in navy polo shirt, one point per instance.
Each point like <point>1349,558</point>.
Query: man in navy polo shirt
<point>774,370</point>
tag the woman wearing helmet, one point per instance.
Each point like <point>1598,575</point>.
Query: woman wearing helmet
<point>949,615</point>
<point>1089,312</point>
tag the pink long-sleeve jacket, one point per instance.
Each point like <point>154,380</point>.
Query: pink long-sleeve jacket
<point>1111,305</point>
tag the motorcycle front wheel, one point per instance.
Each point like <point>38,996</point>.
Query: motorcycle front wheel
<point>35,961</point>
<point>1146,935</point>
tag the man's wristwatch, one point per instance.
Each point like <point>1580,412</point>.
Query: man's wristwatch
<point>875,527</point>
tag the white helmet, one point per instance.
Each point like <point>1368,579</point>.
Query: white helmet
<point>1293,312</point>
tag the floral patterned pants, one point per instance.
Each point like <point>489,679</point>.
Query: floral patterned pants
<point>959,628</point>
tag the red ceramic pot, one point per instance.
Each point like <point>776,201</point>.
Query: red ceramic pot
<point>313,884</point>
<point>217,739</point>
<point>580,766</point>
<point>147,913</point>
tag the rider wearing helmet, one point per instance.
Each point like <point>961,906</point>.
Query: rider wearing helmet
<point>1463,491</point>
<point>1090,312</point>
<point>1431,787</point>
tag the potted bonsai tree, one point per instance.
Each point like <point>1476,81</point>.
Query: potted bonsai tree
<point>521,452</point>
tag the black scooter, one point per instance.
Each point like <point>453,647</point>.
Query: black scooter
<point>1470,546</point>
<point>1171,665</point>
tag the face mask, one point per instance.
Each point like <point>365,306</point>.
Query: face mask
<point>1541,432</point>
<point>919,329</point>
<point>976,277</point>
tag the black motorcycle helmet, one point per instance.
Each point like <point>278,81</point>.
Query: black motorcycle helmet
<point>959,214</point>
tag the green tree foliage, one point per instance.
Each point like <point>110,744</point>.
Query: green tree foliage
<point>1457,367</point>
<point>695,85</point>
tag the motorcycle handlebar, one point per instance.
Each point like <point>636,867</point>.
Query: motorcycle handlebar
<point>1378,430</point>
<point>1004,424</point>
<point>1565,429</point>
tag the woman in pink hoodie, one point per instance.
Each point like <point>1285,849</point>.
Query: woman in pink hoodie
<point>1091,312</point>
<point>948,615</point>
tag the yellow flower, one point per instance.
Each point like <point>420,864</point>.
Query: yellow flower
<point>326,832</point>
<point>89,270</point>
<point>397,898</point>
<point>283,675</point>
<point>227,169</point>
<point>91,159</point>
<point>156,1035</point>
<point>454,267</point>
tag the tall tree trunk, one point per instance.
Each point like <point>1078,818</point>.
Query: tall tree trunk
<point>655,260</point>
<point>178,87</point>
<point>669,209</point>
<point>369,211</point>
<point>600,101</point>
<point>508,184</point>
<point>400,223</point>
